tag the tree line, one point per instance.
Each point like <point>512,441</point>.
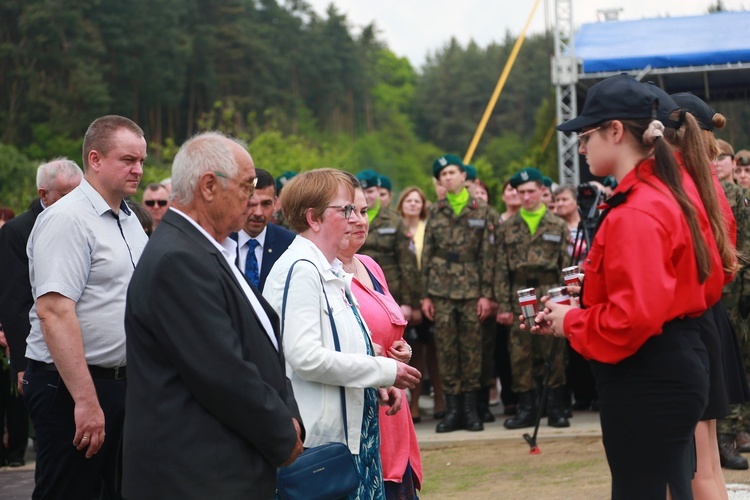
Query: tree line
<point>304,90</point>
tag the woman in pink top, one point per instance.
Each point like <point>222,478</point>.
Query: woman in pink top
<point>399,450</point>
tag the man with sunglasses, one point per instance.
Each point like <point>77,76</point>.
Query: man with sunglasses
<point>156,201</point>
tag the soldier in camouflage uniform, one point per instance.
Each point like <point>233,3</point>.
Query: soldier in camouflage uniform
<point>736,297</point>
<point>457,271</point>
<point>388,243</point>
<point>529,256</point>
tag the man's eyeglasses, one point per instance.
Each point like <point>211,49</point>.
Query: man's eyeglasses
<point>247,187</point>
<point>348,209</point>
<point>151,203</point>
<point>583,138</point>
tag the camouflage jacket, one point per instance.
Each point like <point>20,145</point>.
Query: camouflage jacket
<point>740,285</point>
<point>389,245</point>
<point>524,261</point>
<point>458,252</point>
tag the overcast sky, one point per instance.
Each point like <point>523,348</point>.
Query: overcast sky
<point>414,28</point>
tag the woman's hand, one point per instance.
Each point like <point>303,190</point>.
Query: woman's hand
<point>549,321</point>
<point>401,351</point>
<point>390,397</point>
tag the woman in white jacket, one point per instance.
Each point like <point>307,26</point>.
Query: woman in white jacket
<point>319,206</point>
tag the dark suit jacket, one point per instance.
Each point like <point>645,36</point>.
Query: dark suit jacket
<point>278,240</point>
<point>209,406</point>
<point>15,288</point>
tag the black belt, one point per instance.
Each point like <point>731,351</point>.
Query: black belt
<point>460,258</point>
<point>119,373</point>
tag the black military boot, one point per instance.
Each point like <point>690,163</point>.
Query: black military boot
<point>483,405</point>
<point>527,409</point>
<point>728,455</point>
<point>472,422</point>
<point>556,414</point>
<point>452,420</point>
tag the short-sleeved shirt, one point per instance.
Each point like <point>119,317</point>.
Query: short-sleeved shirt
<point>80,249</point>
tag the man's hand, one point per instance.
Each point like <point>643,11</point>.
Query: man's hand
<point>505,318</point>
<point>298,448</point>
<point>19,382</point>
<point>406,310</point>
<point>89,435</point>
<point>416,317</point>
<point>428,309</point>
<point>407,376</point>
<point>484,308</point>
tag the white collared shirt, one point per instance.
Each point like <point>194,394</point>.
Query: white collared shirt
<point>228,249</point>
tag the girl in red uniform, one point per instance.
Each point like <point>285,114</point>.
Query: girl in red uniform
<point>650,273</point>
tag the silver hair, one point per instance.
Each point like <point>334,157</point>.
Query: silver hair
<point>59,168</point>
<point>205,152</point>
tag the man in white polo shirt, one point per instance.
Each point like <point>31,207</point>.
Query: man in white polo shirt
<point>82,253</point>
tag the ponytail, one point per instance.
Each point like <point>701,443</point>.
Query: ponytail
<point>694,144</point>
<point>667,170</point>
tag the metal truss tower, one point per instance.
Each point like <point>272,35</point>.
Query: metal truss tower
<point>564,78</point>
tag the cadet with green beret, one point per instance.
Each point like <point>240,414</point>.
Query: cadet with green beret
<point>389,245</point>
<point>457,270</point>
<point>548,197</point>
<point>281,181</point>
<point>386,190</point>
<point>532,251</point>
<point>471,173</point>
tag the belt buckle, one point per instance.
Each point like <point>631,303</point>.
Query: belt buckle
<point>117,373</point>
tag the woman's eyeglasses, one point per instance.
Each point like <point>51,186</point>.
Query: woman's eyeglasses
<point>151,203</point>
<point>584,137</point>
<point>347,209</point>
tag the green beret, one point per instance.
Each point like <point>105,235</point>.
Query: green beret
<point>471,172</point>
<point>368,178</point>
<point>283,179</point>
<point>547,182</point>
<point>527,174</point>
<point>385,182</point>
<point>444,161</point>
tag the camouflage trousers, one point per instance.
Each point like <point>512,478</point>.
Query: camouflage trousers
<point>459,344</point>
<point>489,336</point>
<point>528,355</point>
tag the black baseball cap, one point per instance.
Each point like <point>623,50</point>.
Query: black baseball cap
<point>619,97</point>
<point>666,106</point>
<point>703,113</point>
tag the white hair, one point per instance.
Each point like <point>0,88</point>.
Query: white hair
<point>59,168</point>
<point>205,152</point>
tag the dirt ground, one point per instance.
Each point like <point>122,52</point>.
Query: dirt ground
<point>568,468</point>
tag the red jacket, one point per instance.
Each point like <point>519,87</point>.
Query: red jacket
<point>641,270</point>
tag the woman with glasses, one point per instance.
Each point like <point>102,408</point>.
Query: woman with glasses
<point>399,450</point>
<point>651,272</point>
<point>316,299</point>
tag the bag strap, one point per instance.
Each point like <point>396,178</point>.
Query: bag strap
<point>336,342</point>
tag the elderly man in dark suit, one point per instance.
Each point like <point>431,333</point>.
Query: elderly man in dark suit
<point>54,180</point>
<point>267,241</point>
<point>211,413</point>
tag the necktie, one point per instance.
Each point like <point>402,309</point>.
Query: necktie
<point>251,263</point>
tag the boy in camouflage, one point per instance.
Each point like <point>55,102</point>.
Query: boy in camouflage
<point>457,266</point>
<point>532,249</point>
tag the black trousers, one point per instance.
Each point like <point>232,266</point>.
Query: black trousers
<point>650,404</point>
<point>65,472</point>
<point>13,413</point>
